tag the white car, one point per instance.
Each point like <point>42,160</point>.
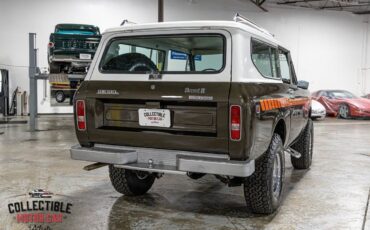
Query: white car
<point>318,111</point>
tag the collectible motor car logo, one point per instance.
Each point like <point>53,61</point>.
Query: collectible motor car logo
<point>107,92</point>
<point>154,115</point>
<point>39,209</point>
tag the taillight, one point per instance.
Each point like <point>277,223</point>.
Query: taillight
<point>235,122</point>
<point>81,115</point>
<point>51,44</point>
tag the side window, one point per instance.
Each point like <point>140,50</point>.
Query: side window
<point>264,58</point>
<point>323,94</point>
<point>284,67</point>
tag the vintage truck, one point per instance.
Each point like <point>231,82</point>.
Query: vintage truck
<point>194,98</point>
<point>71,47</point>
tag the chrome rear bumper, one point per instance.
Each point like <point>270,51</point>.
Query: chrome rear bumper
<point>163,161</point>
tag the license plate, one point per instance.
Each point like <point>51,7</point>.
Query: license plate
<point>85,56</point>
<point>155,117</point>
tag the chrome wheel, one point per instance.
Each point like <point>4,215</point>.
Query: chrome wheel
<point>343,111</point>
<point>276,176</point>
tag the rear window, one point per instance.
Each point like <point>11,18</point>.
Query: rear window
<point>195,53</point>
<point>264,58</point>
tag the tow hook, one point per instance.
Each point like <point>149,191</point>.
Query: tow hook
<point>293,152</point>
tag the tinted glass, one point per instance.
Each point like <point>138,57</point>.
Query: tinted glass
<point>175,53</point>
<point>284,67</point>
<point>264,58</point>
<point>76,32</point>
<point>341,95</point>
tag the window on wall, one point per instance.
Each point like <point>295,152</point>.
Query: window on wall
<point>264,58</point>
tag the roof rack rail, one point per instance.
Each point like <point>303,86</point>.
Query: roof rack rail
<point>124,22</point>
<point>242,19</point>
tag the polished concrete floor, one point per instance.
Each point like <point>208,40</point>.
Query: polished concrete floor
<point>333,194</point>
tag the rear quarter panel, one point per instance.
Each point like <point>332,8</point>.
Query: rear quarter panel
<point>258,124</point>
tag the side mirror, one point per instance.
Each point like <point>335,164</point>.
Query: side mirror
<point>303,84</point>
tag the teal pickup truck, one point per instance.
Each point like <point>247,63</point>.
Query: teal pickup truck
<point>72,47</point>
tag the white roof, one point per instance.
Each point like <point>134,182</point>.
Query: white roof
<point>195,24</point>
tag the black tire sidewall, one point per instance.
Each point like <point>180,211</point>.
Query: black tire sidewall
<point>258,188</point>
<point>137,185</point>
<point>304,145</point>
<point>60,93</point>
<point>311,144</point>
<point>280,152</point>
<point>127,182</point>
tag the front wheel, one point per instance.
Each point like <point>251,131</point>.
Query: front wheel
<point>263,189</point>
<point>130,182</point>
<point>344,111</point>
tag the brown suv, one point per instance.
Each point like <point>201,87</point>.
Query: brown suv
<point>194,98</point>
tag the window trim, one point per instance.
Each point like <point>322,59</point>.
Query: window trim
<point>278,77</point>
<point>224,52</point>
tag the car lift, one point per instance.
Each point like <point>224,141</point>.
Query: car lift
<point>35,74</point>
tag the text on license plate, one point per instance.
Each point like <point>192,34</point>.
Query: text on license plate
<point>85,56</point>
<point>155,117</point>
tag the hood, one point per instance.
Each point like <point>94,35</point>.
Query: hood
<point>361,103</point>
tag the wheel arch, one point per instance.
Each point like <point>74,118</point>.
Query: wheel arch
<point>281,129</point>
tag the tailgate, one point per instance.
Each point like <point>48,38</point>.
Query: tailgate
<point>194,125</point>
<point>182,109</point>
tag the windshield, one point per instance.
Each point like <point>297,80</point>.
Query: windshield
<point>172,53</point>
<point>78,32</point>
<point>75,29</point>
<point>341,95</point>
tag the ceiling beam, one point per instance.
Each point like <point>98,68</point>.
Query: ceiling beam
<point>297,1</point>
<point>342,6</point>
<point>259,3</point>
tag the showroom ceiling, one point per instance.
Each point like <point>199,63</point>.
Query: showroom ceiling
<point>354,6</point>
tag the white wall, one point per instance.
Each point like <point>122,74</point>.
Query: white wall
<point>328,48</point>
<point>19,17</point>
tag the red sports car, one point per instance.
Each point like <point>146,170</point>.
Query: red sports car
<point>343,103</point>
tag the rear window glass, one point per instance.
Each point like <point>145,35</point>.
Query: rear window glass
<point>174,53</point>
<point>264,58</point>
